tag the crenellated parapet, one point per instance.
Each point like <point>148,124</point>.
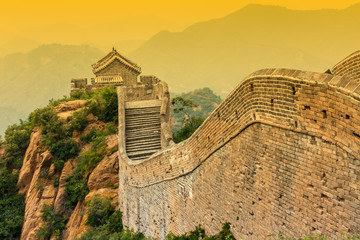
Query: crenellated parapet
<point>280,154</point>
<point>348,67</point>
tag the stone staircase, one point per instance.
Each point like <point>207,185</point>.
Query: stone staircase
<point>142,132</point>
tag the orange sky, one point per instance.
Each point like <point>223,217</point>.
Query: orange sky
<point>19,14</point>
<point>78,21</point>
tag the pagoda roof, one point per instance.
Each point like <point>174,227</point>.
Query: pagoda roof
<point>110,57</point>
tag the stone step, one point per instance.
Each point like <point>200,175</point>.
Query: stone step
<point>136,120</point>
<point>142,157</point>
<point>143,148</point>
<point>144,135</point>
<point>141,111</point>
<point>144,131</point>
<point>132,126</point>
<point>143,142</point>
<point>145,152</point>
<point>143,124</point>
<point>143,116</point>
<point>140,139</point>
<point>141,121</point>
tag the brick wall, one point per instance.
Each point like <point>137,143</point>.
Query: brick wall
<point>349,67</point>
<point>280,154</point>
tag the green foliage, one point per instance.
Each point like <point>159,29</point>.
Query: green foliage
<point>12,206</point>
<point>104,104</point>
<point>205,102</point>
<point>106,223</point>
<point>199,233</point>
<point>188,129</point>
<point>79,120</point>
<point>55,136</point>
<point>88,160</point>
<point>99,211</point>
<point>281,236</point>
<point>181,104</point>
<point>184,108</point>
<point>65,149</point>
<point>53,223</point>
<point>56,182</point>
<point>84,95</point>
<point>17,139</point>
<point>58,164</point>
<point>76,189</point>
<point>90,136</point>
<point>53,130</point>
<point>114,223</point>
<point>103,233</point>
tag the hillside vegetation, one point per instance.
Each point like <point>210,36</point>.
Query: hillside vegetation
<point>204,99</point>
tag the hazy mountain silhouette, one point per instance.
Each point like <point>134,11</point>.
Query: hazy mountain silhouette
<point>221,52</point>
<point>29,80</point>
<point>16,45</point>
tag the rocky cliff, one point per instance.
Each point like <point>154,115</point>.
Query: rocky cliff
<point>42,185</point>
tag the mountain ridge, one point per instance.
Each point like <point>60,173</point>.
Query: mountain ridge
<point>254,37</point>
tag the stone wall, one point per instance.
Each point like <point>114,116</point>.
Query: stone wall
<point>280,154</point>
<point>349,67</point>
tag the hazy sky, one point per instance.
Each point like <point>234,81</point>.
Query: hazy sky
<point>107,22</point>
<point>20,14</point>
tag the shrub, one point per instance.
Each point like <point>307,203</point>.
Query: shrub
<point>90,136</point>
<point>79,120</point>
<point>88,160</point>
<point>99,211</point>
<point>53,130</point>
<point>56,182</point>
<point>53,223</point>
<point>82,94</point>
<point>199,233</point>
<point>76,189</point>
<point>105,104</point>
<point>17,139</point>
<point>58,165</point>
<point>115,222</point>
<point>64,149</point>
<point>110,128</point>
<point>188,129</point>
<point>12,206</point>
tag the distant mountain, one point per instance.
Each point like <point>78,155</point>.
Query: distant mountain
<point>29,80</point>
<point>221,52</point>
<point>17,45</point>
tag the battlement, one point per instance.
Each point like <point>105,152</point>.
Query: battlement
<point>78,84</point>
<point>348,67</point>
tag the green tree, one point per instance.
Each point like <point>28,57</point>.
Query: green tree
<point>190,123</point>
<point>99,211</point>
<point>53,223</point>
